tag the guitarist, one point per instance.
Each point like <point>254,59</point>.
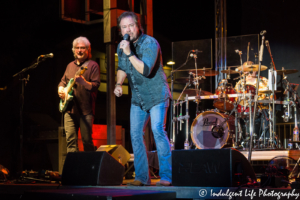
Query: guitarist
<point>81,110</point>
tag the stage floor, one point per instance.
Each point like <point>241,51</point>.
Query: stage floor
<point>56,192</point>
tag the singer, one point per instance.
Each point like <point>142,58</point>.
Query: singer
<point>81,110</point>
<point>140,60</point>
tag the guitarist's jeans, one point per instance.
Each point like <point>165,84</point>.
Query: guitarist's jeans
<point>72,124</point>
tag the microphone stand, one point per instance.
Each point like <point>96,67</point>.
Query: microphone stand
<point>197,85</point>
<point>273,81</point>
<point>22,95</point>
<point>256,95</point>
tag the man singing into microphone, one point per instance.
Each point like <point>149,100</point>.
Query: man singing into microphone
<point>140,60</point>
<point>81,110</point>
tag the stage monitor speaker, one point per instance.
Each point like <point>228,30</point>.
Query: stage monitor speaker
<point>210,168</point>
<point>92,168</point>
<point>116,151</point>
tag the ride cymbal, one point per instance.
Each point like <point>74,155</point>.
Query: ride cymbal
<point>229,71</point>
<point>286,71</point>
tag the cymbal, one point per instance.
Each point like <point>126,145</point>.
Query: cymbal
<point>286,71</point>
<point>192,92</point>
<point>229,71</point>
<point>268,91</point>
<point>207,72</point>
<point>185,80</point>
<point>249,68</point>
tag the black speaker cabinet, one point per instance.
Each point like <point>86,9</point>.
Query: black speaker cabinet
<point>92,168</point>
<point>210,168</point>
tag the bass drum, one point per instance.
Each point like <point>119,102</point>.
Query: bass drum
<point>203,136</point>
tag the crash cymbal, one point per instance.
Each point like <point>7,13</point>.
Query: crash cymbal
<point>192,92</point>
<point>268,91</point>
<point>286,71</point>
<point>229,71</point>
<point>185,80</point>
<point>207,72</point>
<point>250,68</point>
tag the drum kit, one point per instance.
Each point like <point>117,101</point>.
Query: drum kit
<point>227,124</point>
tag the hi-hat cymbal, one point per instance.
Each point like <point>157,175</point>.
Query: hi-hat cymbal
<point>250,68</point>
<point>268,91</point>
<point>229,71</point>
<point>286,71</point>
<point>185,80</point>
<point>207,72</point>
<point>192,92</point>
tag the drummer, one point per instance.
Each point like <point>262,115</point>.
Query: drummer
<point>251,79</point>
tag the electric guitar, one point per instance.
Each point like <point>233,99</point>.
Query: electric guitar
<point>68,90</point>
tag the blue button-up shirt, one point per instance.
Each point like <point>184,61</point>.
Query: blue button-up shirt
<point>151,87</point>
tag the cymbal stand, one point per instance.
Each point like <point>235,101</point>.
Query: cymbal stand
<point>256,95</point>
<point>243,78</point>
<point>181,118</point>
<point>288,89</point>
<point>196,82</point>
<point>296,121</point>
<point>198,91</point>
<point>172,141</point>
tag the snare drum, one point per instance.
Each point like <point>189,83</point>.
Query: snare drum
<point>205,138</point>
<point>219,103</point>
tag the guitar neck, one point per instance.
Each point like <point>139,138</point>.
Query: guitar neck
<point>79,72</point>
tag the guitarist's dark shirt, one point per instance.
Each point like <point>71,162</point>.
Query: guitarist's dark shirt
<point>84,100</point>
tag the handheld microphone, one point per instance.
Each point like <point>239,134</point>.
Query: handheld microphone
<point>126,37</point>
<point>50,55</point>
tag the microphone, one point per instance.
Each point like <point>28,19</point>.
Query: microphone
<point>263,32</point>
<point>126,37</point>
<point>50,55</point>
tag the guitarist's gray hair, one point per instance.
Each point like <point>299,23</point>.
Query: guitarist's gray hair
<point>87,44</point>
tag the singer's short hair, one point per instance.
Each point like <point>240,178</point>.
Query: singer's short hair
<point>134,17</point>
<point>87,45</point>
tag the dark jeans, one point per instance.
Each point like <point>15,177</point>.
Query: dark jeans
<point>72,124</point>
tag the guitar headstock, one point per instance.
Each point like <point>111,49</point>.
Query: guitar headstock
<point>83,69</point>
